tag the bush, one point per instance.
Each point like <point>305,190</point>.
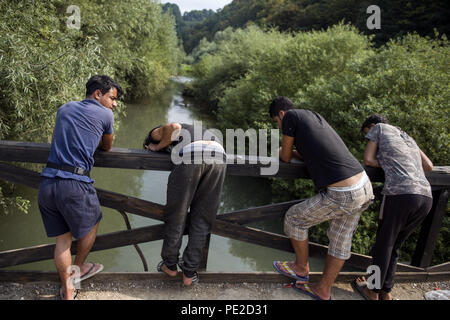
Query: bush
<point>336,73</point>
<point>44,64</point>
<point>137,40</point>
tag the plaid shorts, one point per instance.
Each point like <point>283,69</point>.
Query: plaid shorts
<point>342,208</point>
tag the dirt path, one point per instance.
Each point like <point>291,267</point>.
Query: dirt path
<point>160,290</point>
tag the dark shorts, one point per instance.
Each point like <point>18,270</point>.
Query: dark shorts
<point>68,205</point>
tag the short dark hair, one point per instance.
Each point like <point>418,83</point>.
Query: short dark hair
<point>104,83</point>
<point>149,139</point>
<point>280,103</point>
<point>374,119</point>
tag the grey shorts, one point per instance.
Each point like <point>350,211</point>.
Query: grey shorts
<point>342,208</point>
<point>68,205</point>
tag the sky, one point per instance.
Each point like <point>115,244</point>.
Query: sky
<point>188,5</point>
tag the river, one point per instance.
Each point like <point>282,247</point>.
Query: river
<point>18,230</point>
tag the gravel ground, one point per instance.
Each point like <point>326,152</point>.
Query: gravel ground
<point>160,290</point>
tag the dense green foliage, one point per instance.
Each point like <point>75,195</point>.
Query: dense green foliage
<point>137,40</point>
<point>398,17</point>
<point>44,64</point>
<point>187,24</point>
<point>338,73</point>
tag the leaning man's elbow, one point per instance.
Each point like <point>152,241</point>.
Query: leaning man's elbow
<point>175,126</point>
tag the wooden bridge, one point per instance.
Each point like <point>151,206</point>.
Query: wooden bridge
<point>231,224</point>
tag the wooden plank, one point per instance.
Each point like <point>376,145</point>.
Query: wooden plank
<point>444,267</point>
<point>439,177</point>
<point>438,276</point>
<point>256,214</point>
<point>430,229</point>
<point>280,242</point>
<point>19,175</point>
<point>152,233</point>
<point>275,241</point>
<point>19,151</point>
<point>107,198</point>
<point>130,204</point>
<point>122,158</point>
<point>146,160</point>
<point>102,242</point>
<point>251,235</point>
<point>207,277</point>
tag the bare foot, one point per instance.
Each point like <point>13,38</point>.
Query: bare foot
<point>87,267</point>
<point>372,295</point>
<point>188,281</point>
<point>170,273</point>
<point>320,292</point>
<point>385,295</point>
<point>67,293</point>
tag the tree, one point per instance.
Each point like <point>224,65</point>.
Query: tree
<point>44,64</point>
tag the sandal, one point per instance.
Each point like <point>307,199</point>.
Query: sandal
<point>306,289</point>
<point>283,268</point>
<point>91,272</point>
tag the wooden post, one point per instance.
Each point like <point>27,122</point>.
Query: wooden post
<point>430,230</point>
<point>102,242</point>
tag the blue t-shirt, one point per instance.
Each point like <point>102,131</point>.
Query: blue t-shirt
<point>79,128</point>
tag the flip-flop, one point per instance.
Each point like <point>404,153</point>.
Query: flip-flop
<point>289,272</point>
<point>359,288</point>
<point>61,293</point>
<point>159,266</point>
<point>305,289</point>
<point>89,274</point>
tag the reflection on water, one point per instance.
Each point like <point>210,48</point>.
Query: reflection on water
<point>18,230</point>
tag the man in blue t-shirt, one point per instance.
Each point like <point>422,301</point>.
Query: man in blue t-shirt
<point>67,198</point>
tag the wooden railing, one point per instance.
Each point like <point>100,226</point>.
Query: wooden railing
<point>231,225</point>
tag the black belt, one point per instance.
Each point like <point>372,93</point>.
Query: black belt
<point>75,170</point>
